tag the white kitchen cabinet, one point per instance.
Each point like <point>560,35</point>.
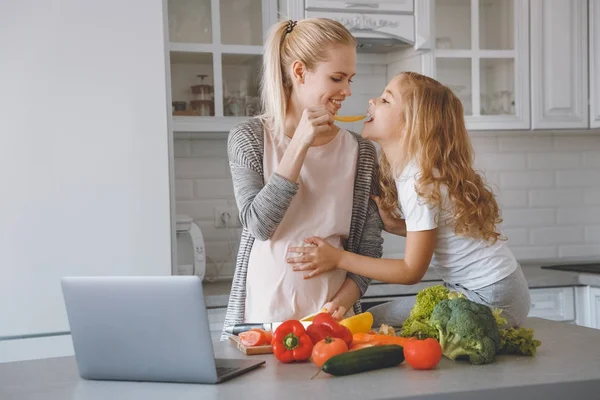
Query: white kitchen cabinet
<point>216,51</point>
<point>216,318</point>
<point>557,304</point>
<point>559,64</point>
<point>480,49</point>
<point>594,61</point>
<point>594,307</point>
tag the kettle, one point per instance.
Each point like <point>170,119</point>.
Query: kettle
<point>191,252</point>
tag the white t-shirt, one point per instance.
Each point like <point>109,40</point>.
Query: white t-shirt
<point>472,263</point>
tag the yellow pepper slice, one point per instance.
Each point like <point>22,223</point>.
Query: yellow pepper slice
<point>349,118</point>
<point>360,323</point>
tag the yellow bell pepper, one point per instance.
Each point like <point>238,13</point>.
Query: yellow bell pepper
<point>360,323</point>
<point>349,118</point>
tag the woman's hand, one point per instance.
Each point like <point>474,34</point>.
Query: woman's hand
<point>336,310</point>
<point>318,258</point>
<point>315,122</point>
<point>391,224</point>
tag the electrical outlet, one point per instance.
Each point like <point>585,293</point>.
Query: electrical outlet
<point>221,214</point>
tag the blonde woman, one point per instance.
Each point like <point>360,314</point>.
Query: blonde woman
<point>451,218</point>
<point>297,174</point>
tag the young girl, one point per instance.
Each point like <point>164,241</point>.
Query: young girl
<point>296,174</point>
<point>451,218</point>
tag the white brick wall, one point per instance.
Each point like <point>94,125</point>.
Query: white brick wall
<point>548,188</point>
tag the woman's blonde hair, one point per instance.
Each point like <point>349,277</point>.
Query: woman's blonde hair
<point>307,41</point>
<point>435,136</point>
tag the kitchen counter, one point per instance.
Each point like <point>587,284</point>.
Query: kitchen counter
<point>217,294</point>
<point>566,366</point>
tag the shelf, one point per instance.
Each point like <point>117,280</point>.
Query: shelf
<point>204,125</point>
<point>214,48</point>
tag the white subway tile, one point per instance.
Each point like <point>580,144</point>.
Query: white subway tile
<point>199,209</point>
<point>512,198</point>
<point>578,215</point>
<point>525,144</point>
<point>576,143</point>
<point>516,236</point>
<point>591,159</point>
<point>201,168</point>
<point>218,234</point>
<point>372,85</point>
<point>591,196</point>
<point>592,234</point>
<point>526,179</point>
<point>554,161</point>
<point>221,251</point>
<point>213,148</point>
<point>184,189</point>
<point>534,252</point>
<point>182,148</point>
<point>500,161</point>
<point>555,197</point>
<point>528,217</point>
<point>219,270</point>
<point>583,250</point>
<point>577,178</point>
<point>484,144</point>
<point>556,235</point>
<point>213,189</point>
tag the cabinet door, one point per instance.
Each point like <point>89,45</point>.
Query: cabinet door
<point>481,51</point>
<point>594,303</point>
<point>559,64</point>
<point>216,318</point>
<point>594,17</point>
<point>557,304</point>
<point>405,6</point>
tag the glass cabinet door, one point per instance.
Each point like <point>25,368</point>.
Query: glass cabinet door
<point>481,54</point>
<point>241,22</point>
<point>190,21</point>
<point>216,58</point>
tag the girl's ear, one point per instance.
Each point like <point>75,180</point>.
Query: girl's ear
<point>298,71</point>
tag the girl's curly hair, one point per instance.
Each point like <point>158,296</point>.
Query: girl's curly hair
<point>437,139</point>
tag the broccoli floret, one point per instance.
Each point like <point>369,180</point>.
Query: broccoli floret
<point>466,329</point>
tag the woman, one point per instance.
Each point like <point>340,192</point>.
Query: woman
<point>296,173</point>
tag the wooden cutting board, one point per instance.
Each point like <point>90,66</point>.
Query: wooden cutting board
<point>250,351</point>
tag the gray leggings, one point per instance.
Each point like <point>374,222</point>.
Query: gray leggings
<point>511,294</point>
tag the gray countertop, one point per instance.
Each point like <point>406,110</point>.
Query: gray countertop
<point>217,294</point>
<point>566,366</point>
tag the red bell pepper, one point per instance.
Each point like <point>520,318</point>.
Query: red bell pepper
<point>291,342</point>
<point>324,325</point>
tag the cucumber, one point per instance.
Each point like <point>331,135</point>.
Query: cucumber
<point>366,359</point>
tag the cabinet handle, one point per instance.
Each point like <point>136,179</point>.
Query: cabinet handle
<point>363,5</point>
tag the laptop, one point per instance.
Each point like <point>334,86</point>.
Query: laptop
<point>144,328</point>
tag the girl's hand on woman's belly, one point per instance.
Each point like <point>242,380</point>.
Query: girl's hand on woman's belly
<point>319,258</point>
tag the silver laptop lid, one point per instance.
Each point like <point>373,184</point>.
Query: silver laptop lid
<point>140,328</point>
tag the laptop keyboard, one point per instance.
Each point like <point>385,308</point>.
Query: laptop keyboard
<point>225,370</point>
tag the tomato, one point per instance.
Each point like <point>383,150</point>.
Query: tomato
<point>327,348</point>
<point>422,354</point>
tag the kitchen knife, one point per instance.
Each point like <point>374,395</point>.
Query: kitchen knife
<point>267,326</point>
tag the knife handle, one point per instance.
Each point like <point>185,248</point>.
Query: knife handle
<point>239,328</point>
